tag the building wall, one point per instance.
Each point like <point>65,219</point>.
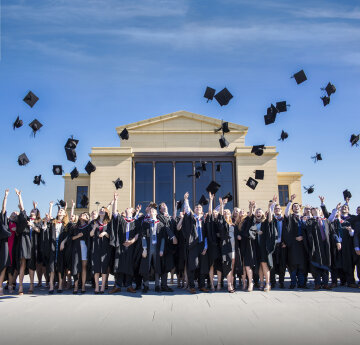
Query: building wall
<point>71,188</point>
<point>293,180</point>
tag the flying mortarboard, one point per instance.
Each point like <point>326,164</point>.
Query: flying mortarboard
<point>300,77</point>
<point>197,174</point>
<point>71,155</point>
<point>223,142</point>
<point>224,128</point>
<point>35,126</point>
<point>84,201</point>
<point>38,180</point>
<point>118,183</point>
<point>209,93</point>
<point>325,100</point>
<point>330,89</point>
<point>269,118</point>
<point>124,135</point>
<point>354,139</point>
<point>218,168</point>
<point>259,174</point>
<point>258,149</point>
<point>57,169</point>
<point>61,203</point>
<point>23,159</point>
<point>223,97</point>
<point>228,196</point>
<point>282,106</point>
<point>317,157</point>
<point>283,135</point>
<point>213,187</point>
<point>179,204</point>
<point>310,189</point>
<point>30,99</point>
<point>18,123</point>
<point>89,168</point>
<point>71,143</point>
<point>272,110</point>
<point>203,201</point>
<point>347,194</point>
<point>252,183</point>
<point>74,173</point>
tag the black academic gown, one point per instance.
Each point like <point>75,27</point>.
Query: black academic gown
<point>123,256</point>
<point>226,248</point>
<point>100,250</point>
<point>213,236</point>
<point>280,253</point>
<point>76,261</point>
<point>4,248</point>
<point>357,240</point>
<point>318,249</point>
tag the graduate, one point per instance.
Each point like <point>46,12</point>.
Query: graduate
<point>80,249</point>
<point>12,243</point>
<point>100,248</point>
<point>293,235</point>
<point>123,235</point>
<point>239,221</point>
<point>4,246</point>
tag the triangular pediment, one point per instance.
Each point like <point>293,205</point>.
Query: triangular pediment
<point>179,121</point>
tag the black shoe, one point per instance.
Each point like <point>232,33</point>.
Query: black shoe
<point>292,286</point>
<point>145,289</point>
<point>75,292</point>
<point>59,291</point>
<point>101,292</point>
<point>137,287</point>
<point>157,289</point>
<point>96,292</point>
<point>83,292</point>
<point>282,286</point>
<point>51,292</point>
<point>304,287</point>
<point>166,289</point>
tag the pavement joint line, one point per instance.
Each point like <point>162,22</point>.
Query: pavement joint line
<point>153,316</point>
<point>208,303</point>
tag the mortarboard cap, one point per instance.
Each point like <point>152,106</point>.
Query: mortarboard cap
<point>283,135</point>
<point>38,180</point>
<point>30,99</point>
<point>71,155</point>
<point>61,203</point>
<point>310,189</point>
<point>118,183</point>
<point>330,89</point>
<point>326,100</point>
<point>282,106</point>
<point>258,149</point>
<point>269,118</point>
<point>74,173</point>
<point>23,159</point>
<point>71,143</point>
<point>89,168</point>
<point>259,174</point>
<point>203,201</point>
<point>317,157</point>
<point>124,135</point>
<point>228,196</point>
<point>179,204</point>
<point>213,187</point>
<point>272,110</point>
<point>57,169</point>
<point>224,128</point>
<point>35,126</point>
<point>209,93</point>
<point>223,97</point>
<point>252,183</point>
<point>223,142</point>
<point>354,139</point>
<point>84,201</point>
<point>18,123</point>
<point>347,194</point>
<point>218,168</point>
<point>300,77</point>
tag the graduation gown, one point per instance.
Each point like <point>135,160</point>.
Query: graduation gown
<point>226,248</point>
<point>4,248</point>
<point>100,250</point>
<point>213,237</point>
<point>280,253</point>
<point>146,235</point>
<point>123,256</point>
<point>318,249</point>
<point>76,261</point>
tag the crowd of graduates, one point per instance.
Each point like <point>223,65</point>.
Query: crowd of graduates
<point>244,249</point>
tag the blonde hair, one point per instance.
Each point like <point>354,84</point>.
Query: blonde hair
<point>65,219</point>
<point>263,216</point>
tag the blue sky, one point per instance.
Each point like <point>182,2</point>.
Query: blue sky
<point>100,64</point>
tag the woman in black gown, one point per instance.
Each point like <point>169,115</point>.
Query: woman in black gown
<point>4,247</point>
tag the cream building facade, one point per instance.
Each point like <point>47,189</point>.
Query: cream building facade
<point>159,160</point>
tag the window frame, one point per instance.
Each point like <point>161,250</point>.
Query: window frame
<point>77,193</point>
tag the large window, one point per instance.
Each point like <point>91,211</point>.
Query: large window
<point>144,184</point>
<point>283,194</point>
<point>173,179</point>
<point>80,191</point>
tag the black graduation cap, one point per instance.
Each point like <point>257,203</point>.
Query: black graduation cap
<point>213,187</point>
<point>74,173</point>
<point>30,99</point>
<point>258,149</point>
<point>282,106</point>
<point>202,167</point>
<point>84,201</point>
<point>23,159</point>
<point>251,183</point>
<point>228,196</point>
<point>224,128</point>
<point>326,100</point>
<point>330,89</point>
<point>203,201</point>
<point>223,97</point>
<point>317,157</point>
<point>35,126</point>
<point>89,168</point>
<point>118,183</point>
<point>223,142</point>
<point>57,169</point>
<point>71,143</point>
<point>283,135</point>
<point>38,180</point>
<point>61,203</point>
<point>124,135</point>
<point>354,139</point>
<point>18,123</point>
<point>71,155</point>
<point>269,118</point>
<point>310,189</point>
<point>272,110</point>
<point>347,194</point>
<point>179,204</point>
<point>300,77</point>
<point>259,174</point>
<point>218,167</point>
<point>209,93</point>
<point>197,174</point>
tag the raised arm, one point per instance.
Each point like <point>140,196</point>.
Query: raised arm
<point>114,205</point>
<point>187,208</point>
<point>252,206</point>
<point>211,198</point>
<point>270,210</point>
<point>3,210</point>
<point>288,206</point>
<point>51,204</point>
<point>221,202</point>
<point>21,205</point>
<point>72,208</point>
<point>334,211</point>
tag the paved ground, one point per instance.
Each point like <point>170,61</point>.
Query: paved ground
<point>278,317</point>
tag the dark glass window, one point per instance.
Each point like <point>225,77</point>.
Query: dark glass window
<point>202,182</point>
<point>224,176</point>
<point>183,182</point>
<point>80,191</point>
<point>283,195</point>
<point>143,184</point>
<point>164,184</point>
